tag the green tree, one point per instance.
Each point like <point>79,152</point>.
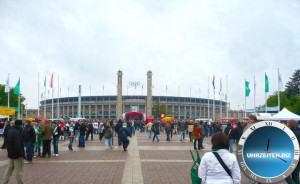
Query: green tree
<point>273,100</point>
<point>158,108</point>
<point>293,86</point>
<point>13,99</point>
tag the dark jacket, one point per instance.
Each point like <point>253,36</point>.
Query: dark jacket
<point>29,134</point>
<point>15,143</point>
<point>82,129</point>
<point>123,133</point>
<point>7,127</point>
<point>56,131</point>
<point>168,127</point>
<point>90,127</point>
<point>119,125</point>
<point>155,128</point>
<point>182,126</point>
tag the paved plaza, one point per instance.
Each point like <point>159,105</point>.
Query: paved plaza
<point>145,162</point>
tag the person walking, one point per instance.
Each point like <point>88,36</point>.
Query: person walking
<point>71,134</point>
<point>55,135</point>
<point>197,136</point>
<point>90,131</point>
<point>7,126</point>
<point>149,129</point>
<point>168,129</point>
<point>211,170</point>
<point>108,134</point>
<point>182,128</point>
<point>29,140</point>
<point>15,152</point>
<point>190,130</point>
<point>124,133</point>
<point>39,139</point>
<point>46,131</point>
<point>82,130</point>
<point>156,131</point>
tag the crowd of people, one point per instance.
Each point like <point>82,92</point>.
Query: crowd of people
<point>26,140</point>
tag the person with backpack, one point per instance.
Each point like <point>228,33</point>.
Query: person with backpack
<point>108,134</point>
<point>124,133</point>
<point>156,131</point>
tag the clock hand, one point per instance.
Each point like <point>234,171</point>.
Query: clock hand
<point>268,145</point>
<point>276,156</point>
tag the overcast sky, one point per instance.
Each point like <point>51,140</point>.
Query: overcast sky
<point>181,42</point>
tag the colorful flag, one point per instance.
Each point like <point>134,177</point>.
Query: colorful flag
<point>247,89</point>
<point>266,83</point>
<point>280,83</point>
<point>213,82</point>
<point>7,89</point>
<point>51,82</point>
<point>17,88</point>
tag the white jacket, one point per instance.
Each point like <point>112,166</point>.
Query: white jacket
<point>212,172</point>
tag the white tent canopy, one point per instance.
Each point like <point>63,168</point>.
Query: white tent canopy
<point>284,114</point>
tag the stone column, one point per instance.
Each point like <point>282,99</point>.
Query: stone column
<point>119,97</point>
<point>149,94</point>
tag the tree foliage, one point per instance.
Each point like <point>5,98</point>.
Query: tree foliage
<point>293,86</point>
<point>158,108</point>
<point>13,99</point>
<point>290,98</point>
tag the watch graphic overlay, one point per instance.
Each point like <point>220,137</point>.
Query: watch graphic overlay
<point>268,152</point>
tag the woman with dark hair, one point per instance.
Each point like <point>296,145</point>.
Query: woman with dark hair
<point>211,170</point>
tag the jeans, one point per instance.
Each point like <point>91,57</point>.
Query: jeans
<point>29,150</point>
<point>149,133</point>
<point>108,142</point>
<point>81,141</point>
<point>231,142</point>
<point>168,135</point>
<point>55,145</point>
<point>155,136</point>
<point>190,136</point>
<point>18,166</point>
<point>71,142</point>
<point>182,135</point>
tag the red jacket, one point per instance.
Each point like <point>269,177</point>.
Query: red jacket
<point>197,132</point>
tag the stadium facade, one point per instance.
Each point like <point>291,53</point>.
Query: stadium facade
<point>114,106</point>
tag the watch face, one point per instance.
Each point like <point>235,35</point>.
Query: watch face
<point>268,151</point>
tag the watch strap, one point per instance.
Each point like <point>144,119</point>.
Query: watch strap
<point>222,163</point>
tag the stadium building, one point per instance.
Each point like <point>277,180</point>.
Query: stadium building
<point>114,106</point>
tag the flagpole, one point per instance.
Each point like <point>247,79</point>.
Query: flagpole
<point>278,92</point>
<point>8,103</point>
<point>51,84</point>
<point>38,94</point>
<point>226,96</point>
<point>208,99</point>
<point>245,102</point>
<point>220,95</point>
<point>214,110</point>
<point>254,94</point>
<point>19,105</point>
<point>57,96</point>
<point>45,98</point>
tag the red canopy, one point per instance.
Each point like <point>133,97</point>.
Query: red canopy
<point>134,116</point>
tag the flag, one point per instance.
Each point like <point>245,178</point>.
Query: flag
<point>51,81</point>
<point>213,82</point>
<point>247,89</point>
<point>45,82</point>
<point>7,89</point>
<point>42,95</point>
<point>266,83</point>
<point>17,88</point>
<point>280,83</point>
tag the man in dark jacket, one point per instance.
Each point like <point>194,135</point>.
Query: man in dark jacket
<point>29,141</point>
<point>82,130</point>
<point>15,150</point>
<point>55,135</point>
<point>90,131</point>
<point>123,133</point>
<point>7,126</point>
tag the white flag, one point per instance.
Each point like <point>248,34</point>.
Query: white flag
<point>280,83</point>
<point>7,89</point>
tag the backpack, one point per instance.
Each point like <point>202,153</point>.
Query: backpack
<point>108,133</point>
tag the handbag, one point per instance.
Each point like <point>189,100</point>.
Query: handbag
<point>194,168</point>
<point>222,163</point>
